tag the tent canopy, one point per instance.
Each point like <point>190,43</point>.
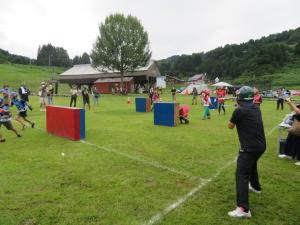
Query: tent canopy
<point>223,84</point>
<point>189,89</point>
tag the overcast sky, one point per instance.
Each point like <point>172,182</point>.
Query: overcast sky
<point>175,27</point>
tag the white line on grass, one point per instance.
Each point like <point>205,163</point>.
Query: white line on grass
<point>134,158</point>
<point>272,130</point>
<point>156,218</point>
<point>149,163</point>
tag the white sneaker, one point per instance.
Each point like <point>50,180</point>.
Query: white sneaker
<point>239,213</point>
<point>252,189</point>
<point>284,156</point>
<point>297,163</point>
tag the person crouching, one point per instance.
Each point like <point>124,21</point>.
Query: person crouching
<point>184,114</point>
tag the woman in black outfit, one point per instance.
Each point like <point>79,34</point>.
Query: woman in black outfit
<point>292,146</point>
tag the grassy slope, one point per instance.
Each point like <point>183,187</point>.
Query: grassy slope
<point>288,77</point>
<point>92,186</point>
<point>15,74</point>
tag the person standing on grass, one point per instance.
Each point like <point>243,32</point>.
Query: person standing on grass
<point>74,93</point>
<point>151,92</point>
<point>22,107</point>
<point>24,92</point>
<point>280,98</point>
<point>50,92</point>
<point>221,93</point>
<point>86,97</point>
<point>173,90</point>
<point>96,94</point>
<point>248,121</point>
<point>206,103</point>
<point>5,120</point>
<point>257,100</point>
<point>195,96</point>
<point>292,144</point>
<point>43,95</point>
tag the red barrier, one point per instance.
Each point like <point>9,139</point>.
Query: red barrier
<point>65,122</point>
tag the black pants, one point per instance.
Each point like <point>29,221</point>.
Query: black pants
<point>246,172</point>
<point>182,118</point>
<point>221,105</point>
<point>73,99</point>
<point>280,102</point>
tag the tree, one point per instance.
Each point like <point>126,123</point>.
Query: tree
<point>54,56</point>
<point>85,59</point>
<point>122,45</point>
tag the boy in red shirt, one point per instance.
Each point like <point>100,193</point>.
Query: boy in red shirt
<point>257,100</point>
<point>221,93</point>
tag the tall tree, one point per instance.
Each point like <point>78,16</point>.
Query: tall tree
<point>85,58</point>
<point>122,45</point>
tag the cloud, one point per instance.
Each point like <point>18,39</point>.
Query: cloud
<point>174,27</point>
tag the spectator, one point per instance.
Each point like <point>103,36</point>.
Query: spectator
<point>50,92</point>
<point>280,98</point>
<point>6,95</point>
<point>292,145</point>
<point>24,92</point>
<point>206,103</point>
<point>86,97</point>
<point>221,93</point>
<point>43,94</point>
<point>173,90</point>
<point>74,93</point>
<point>96,94</point>
<point>195,96</point>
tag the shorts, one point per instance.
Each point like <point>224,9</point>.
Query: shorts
<point>7,124</point>
<point>86,100</point>
<point>43,100</point>
<point>23,114</point>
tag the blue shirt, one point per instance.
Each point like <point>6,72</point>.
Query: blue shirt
<point>20,104</point>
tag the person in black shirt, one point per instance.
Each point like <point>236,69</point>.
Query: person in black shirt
<point>248,121</point>
<point>24,92</point>
<point>173,91</point>
<point>86,97</point>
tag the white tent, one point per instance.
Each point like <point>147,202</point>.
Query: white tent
<point>199,87</point>
<point>223,84</point>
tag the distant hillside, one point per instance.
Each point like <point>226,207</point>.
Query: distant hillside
<point>247,61</point>
<point>6,57</point>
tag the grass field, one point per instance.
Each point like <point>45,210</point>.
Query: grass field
<point>15,74</point>
<point>129,171</point>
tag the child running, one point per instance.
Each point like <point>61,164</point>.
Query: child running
<point>22,107</point>
<point>206,103</point>
<point>5,119</point>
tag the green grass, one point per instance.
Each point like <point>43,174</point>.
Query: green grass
<point>120,182</point>
<point>288,77</point>
<point>15,74</point>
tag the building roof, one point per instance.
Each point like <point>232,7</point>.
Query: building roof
<point>80,70</point>
<point>113,80</point>
<point>88,69</point>
<point>86,73</point>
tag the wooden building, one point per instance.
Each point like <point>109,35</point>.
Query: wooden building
<point>85,74</point>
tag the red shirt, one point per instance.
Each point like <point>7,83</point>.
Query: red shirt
<point>184,111</point>
<point>257,99</point>
<point>221,95</point>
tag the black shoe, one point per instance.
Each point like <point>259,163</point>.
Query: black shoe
<point>32,125</point>
<point>2,140</point>
<point>18,135</point>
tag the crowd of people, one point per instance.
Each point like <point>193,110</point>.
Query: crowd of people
<point>20,100</point>
<point>246,117</point>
